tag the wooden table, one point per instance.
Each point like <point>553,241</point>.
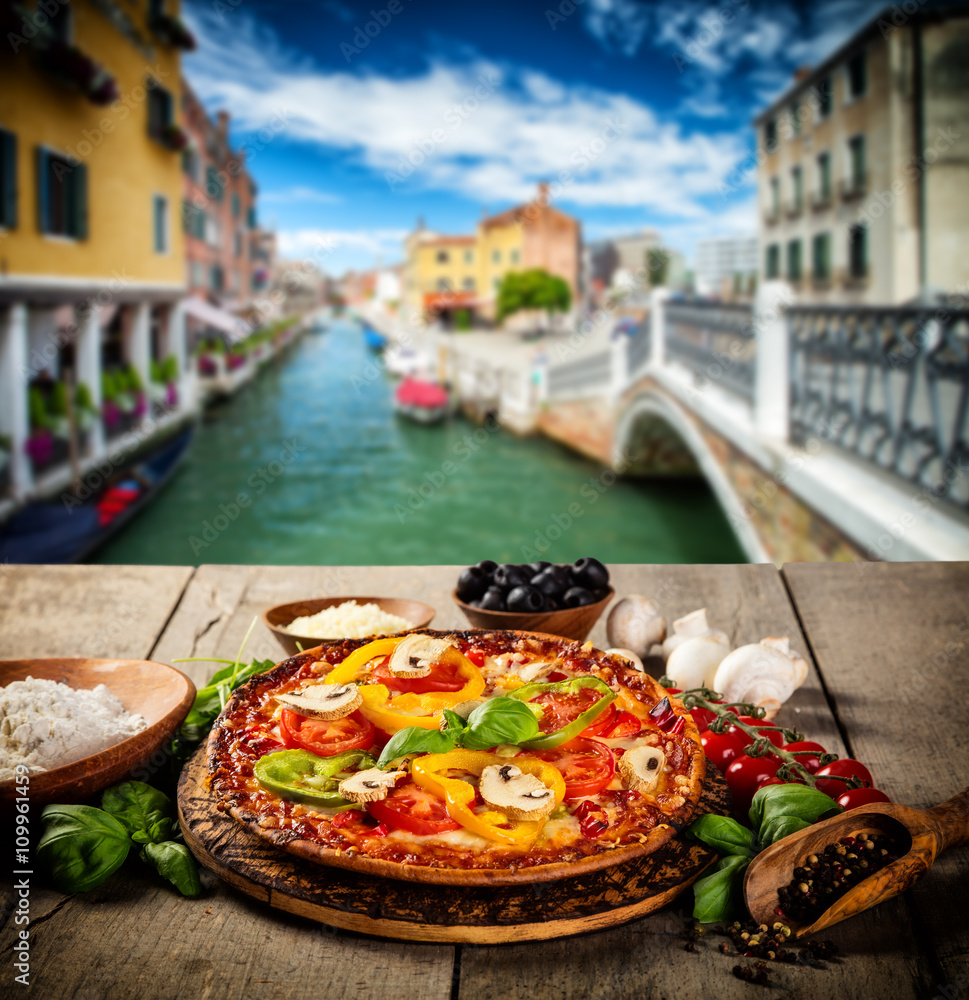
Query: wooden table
<point>889,647</point>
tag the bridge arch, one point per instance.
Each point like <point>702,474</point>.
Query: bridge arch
<point>650,413</point>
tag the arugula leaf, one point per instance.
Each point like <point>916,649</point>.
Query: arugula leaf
<point>780,827</point>
<point>415,740</point>
<point>175,862</point>
<point>724,835</point>
<point>500,720</point>
<point>81,846</point>
<point>801,801</point>
<point>146,813</point>
<point>718,896</point>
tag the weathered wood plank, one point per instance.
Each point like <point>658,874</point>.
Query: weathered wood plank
<point>647,958</point>
<point>116,611</point>
<point>892,643</point>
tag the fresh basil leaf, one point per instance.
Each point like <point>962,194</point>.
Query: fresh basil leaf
<point>145,812</point>
<point>453,723</point>
<point>781,827</point>
<point>175,862</point>
<point>415,740</point>
<point>791,799</point>
<point>724,835</point>
<point>500,720</point>
<point>81,846</point>
<point>718,896</point>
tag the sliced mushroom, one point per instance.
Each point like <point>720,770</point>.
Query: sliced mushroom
<point>692,626</point>
<point>369,785</point>
<point>532,671</point>
<point>416,654</point>
<point>629,656</point>
<point>465,708</point>
<point>635,623</point>
<point>640,768</point>
<point>694,662</point>
<point>519,796</point>
<point>764,673</point>
<point>324,701</point>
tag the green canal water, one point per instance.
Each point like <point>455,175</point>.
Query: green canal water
<point>310,465</point>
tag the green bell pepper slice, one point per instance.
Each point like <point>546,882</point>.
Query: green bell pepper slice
<point>545,741</point>
<point>304,777</point>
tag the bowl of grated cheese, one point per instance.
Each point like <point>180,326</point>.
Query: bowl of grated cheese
<point>70,727</point>
<point>302,625</point>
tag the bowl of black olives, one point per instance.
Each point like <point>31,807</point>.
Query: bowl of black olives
<point>563,599</point>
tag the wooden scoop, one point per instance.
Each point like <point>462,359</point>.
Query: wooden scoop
<point>928,833</point>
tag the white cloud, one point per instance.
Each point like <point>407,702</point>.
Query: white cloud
<point>300,194</point>
<point>324,246</point>
<point>485,132</point>
<point>618,25</point>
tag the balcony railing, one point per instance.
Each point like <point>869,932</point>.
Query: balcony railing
<point>820,200</point>
<point>852,188</point>
<point>772,214</point>
<point>795,208</point>
<point>716,340</point>
<point>888,384</point>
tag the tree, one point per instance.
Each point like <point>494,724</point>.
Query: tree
<point>658,265</point>
<point>533,289</point>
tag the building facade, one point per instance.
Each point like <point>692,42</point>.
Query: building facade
<point>91,249</point>
<point>726,266</point>
<point>863,187</point>
<point>621,265</point>
<point>445,276</point>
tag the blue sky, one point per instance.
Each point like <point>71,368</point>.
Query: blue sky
<point>640,111</point>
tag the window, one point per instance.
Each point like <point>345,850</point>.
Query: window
<point>238,243</point>
<point>824,177</point>
<point>159,220</point>
<point>514,256</point>
<point>8,180</point>
<point>251,217</point>
<point>821,257</point>
<point>468,256</point>
<point>496,256</point>
<point>443,285</point>
<point>61,195</point>
<point>797,185</point>
<point>160,111</point>
<point>857,76</point>
<point>825,95</point>
<point>858,251</point>
<point>190,164</point>
<point>198,275</point>
<point>775,196</point>
<point>218,278</point>
<point>213,184</point>
<point>443,256</point>
<point>469,284</point>
<point>794,260</point>
<point>772,264</point>
<point>770,134</point>
<point>856,163</point>
<point>193,220</point>
<point>796,118</point>
<point>236,206</point>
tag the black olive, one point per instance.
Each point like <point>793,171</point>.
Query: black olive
<point>493,600</point>
<point>601,593</point>
<point>551,604</point>
<point>589,573</point>
<point>472,583</point>
<point>578,597</point>
<point>487,566</point>
<point>508,575</point>
<point>525,599</point>
<point>548,582</point>
<point>537,567</point>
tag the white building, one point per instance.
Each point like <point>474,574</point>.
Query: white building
<point>720,259</point>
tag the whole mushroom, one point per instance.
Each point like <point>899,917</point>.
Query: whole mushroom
<point>635,624</point>
<point>692,626</point>
<point>694,662</point>
<point>764,673</point>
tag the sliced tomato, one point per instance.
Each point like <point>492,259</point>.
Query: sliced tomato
<point>559,709</point>
<point>624,724</point>
<point>477,657</point>
<point>326,738</point>
<point>443,677</point>
<point>414,809</point>
<point>586,765</point>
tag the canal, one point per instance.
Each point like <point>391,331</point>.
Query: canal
<point>310,465</point>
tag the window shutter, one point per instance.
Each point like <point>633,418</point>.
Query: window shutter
<point>43,191</point>
<point>8,204</point>
<point>79,179</point>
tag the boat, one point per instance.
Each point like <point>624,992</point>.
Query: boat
<point>374,340</point>
<point>422,401</point>
<point>71,528</point>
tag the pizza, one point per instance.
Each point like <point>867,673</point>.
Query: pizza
<point>462,757</point>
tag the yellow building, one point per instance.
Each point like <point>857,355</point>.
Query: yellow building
<point>445,274</point>
<point>91,252</point>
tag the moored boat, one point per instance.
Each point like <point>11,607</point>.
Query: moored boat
<point>422,401</point>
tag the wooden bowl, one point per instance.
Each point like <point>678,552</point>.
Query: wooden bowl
<point>160,693</point>
<point>568,623</point>
<point>419,614</point>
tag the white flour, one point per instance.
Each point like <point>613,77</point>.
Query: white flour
<point>45,724</point>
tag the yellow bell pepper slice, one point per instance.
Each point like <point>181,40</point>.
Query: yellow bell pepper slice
<point>459,795</point>
<point>376,708</point>
<point>347,671</point>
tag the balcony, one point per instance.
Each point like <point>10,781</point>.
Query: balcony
<point>795,208</point>
<point>772,215</point>
<point>820,201</point>
<point>852,188</point>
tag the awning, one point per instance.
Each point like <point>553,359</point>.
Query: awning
<point>213,316</point>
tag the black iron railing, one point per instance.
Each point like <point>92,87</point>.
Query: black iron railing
<point>716,340</point>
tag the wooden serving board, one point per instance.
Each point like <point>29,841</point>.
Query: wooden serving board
<point>417,911</point>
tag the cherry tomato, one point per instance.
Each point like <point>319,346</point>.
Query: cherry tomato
<point>443,677</point>
<point>846,768</point>
<point>702,717</point>
<point>586,765</point>
<point>326,738</point>
<point>855,797</point>
<point>810,763</point>
<point>559,709</point>
<point>768,729</point>
<point>624,724</point>
<point>477,657</point>
<point>746,774</point>
<point>722,748</point>
<point>412,808</point>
